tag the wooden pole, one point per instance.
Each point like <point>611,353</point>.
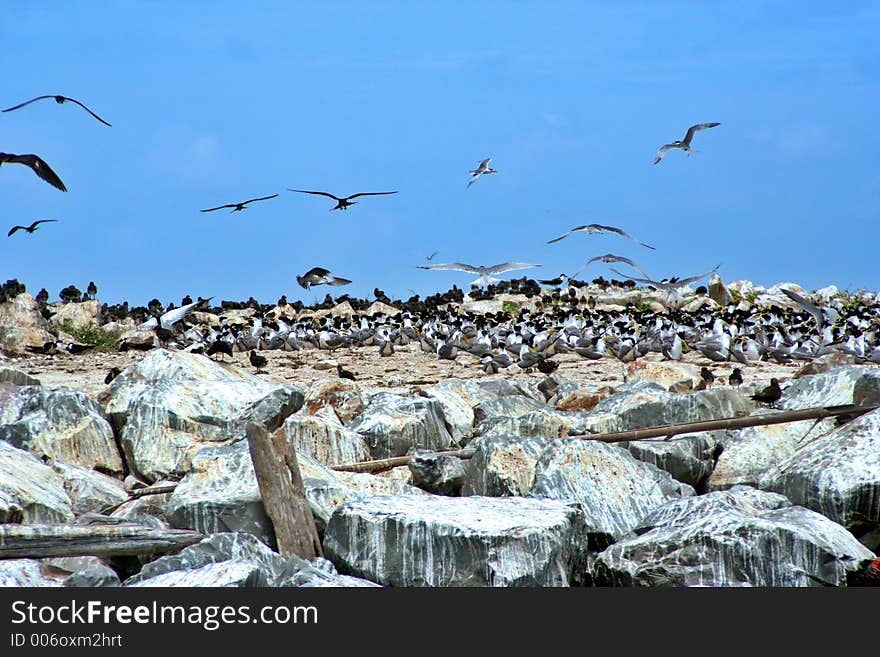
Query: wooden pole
<point>284,496</point>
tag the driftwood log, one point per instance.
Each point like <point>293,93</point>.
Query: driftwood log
<point>284,496</point>
<point>37,541</point>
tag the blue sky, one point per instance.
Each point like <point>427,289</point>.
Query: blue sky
<point>216,102</point>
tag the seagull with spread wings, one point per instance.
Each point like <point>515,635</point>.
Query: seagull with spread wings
<point>342,203</point>
<point>671,286</point>
<point>608,258</point>
<point>238,207</point>
<point>482,167</point>
<point>485,273</point>
<point>30,228</point>
<point>684,144</point>
<point>38,166</point>
<point>60,100</point>
<point>592,229</point>
<point>320,276</point>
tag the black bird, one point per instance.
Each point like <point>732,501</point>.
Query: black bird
<point>707,376</point>
<point>112,374</point>
<point>684,144</point>
<point>60,100</point>
<point>344,202</point>
<point>547,366</point>
<point>344,373</point>
<point>30,228</point>
<point>257,360</point>
<point>38,165</point>
<point>736,378</point>
<point>769,395</point>
<point>238,207</point>
<point>92,290</point>
<point>320,276</point>
<point>220,347</point>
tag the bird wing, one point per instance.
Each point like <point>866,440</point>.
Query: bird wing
<point>220,207</point>
<point>430,257</point>
<point>316,271</point>
<point>622,233</point>
<point>694,279</point>
<point>173,316</point>
<point>74,100</point>
<point>13,229</point>
<point>663,150</point>
<point>647,281</point>
<point>695,128</point>
<point>455,266</point>
<point>39,167</point>
<point>562,237</point>
<point>42,221</point>
<point>482,166</point>
<point>509,266</point>
<point>368,194</point>
<point>27,102</point>
<point>814,310</point>
<point>262,198</point>
<point>304,191</point>
<point>336,280</point>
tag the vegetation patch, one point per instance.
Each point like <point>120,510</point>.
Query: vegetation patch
<point>91,334</point>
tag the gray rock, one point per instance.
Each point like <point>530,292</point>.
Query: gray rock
<point>93,576</point>
<point>17,377</point>
<point>62,424</point>
<point>458,397</point>
<point>394,424</point>
<point>502,465</point>
<point>146,510</point>
<point>614,489</point>
<point>866,391</point>
<point>457,541</point>
<point>78,313</point>
<point>689,458</point>
<point>172,403</point>
<point>546,422</point>
<point>441,475</point>
<point>30,491</point>
<point>826,389</point>
<point>89,490</point>
<point>320,573</point>
<point>740,537</point>
<point>29,573</point>
<point>226,574</point>
<point>341,395</point>
<point>511,406</point>
<point>323,437</point>
<point>22,325</point>
<point>837,475</point>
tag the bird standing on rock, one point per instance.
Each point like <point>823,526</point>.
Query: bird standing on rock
<point>769,395</point>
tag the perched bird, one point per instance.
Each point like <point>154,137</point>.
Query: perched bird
<point>342,203</point>
<point>38,165</point>
<point>736,378</point>
<point>60,100</point>
<point>256,359</point>
<point>482,167</point>
<point>220,346</point>
<point>592,229</point>
<point>92,290</point>
<point>547,366</point>
<point>320,276</point>
<point>769,395</point>
<point>112,374</point>
<point>707,376</point>
<point>238,207</point>
<point>608,258</point>
<point>484,272</point>
<point>684,144</point>
<point>30,228</point>
<point>344,373</point>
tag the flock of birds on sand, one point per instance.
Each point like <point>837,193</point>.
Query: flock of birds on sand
<point>524,339</point>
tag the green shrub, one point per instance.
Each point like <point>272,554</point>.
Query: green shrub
<point>91,334</point>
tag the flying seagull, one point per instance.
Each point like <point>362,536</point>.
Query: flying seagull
<point>819,314</point>
<point>592,229</point>
<point>238,207</point>
<point>669,286</point>
<point>431,257</point>
<point>341,203</point>
<point>320,276</point>
<point>482,167</point>
<point>30,228</point>
<point>484,272</point>
<point>39,167</point>
<point>684,144</point>
<point>59,100</point>
<point>609,258</point>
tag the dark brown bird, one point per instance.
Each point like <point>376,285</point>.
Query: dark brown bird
<point>30,228</point>
<point>112,374</point>
<point>60,100</point>
<point>736,378</point>
<point>769,395</point>
<point>344,202</point>
<point>38,166</point>
<point>257,360</point>
<point>547,366</point>
<point>220,347</point>
<point>238,207</point>
<point>707,376</point>
<point>344,373</point>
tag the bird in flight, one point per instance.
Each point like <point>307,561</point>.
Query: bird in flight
<point>60,100</point>
<point>485,273</point>
<point>608,258</point>
<point>320,276</point>
<point>343,202</point>
<point>592,229</point>
<point>30,228</point>
<point>238,207</point>
<point>669,286</point>
<point>431,257</point>
<point>684,144</point>
<point>482,167</point>
<point>39,167</point>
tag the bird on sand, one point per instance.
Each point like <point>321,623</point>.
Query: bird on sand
<point>684,144</point>
<point>30,228</point>
<point>344,373</point>
<point>769,395</point>
<point>707,376</point>
<point>592,229</point>
<point>256,359</point>
<point>485,273</point>
<point>37,164</point>
<point>736,378</point>
<point>482,167</point>
<point>60,100</point>
<point>238,207</point>
<point>608,258</point>
<point>342,203</point>
<point>320,276</point>
<point>112,374</point>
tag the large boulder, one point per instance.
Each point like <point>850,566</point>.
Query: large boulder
<point>22,325</point>
<point>341,395</point>
<point>172,403</point>
<point>323,437</point>
<point>62,424</point>
<point>30,491</point>
<point>458,397</point>
<point>688,458</point>
<point>457,541</point>
<point>831,388</point>
<point>394,424</point>
<point>740,537</point>
<point>29,573</point>
<point>77,314</point>
<point>17,377</point>
<point>89,490</point>
<point>502,465</point>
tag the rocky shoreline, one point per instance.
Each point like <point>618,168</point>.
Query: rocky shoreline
<point>792,504</point>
